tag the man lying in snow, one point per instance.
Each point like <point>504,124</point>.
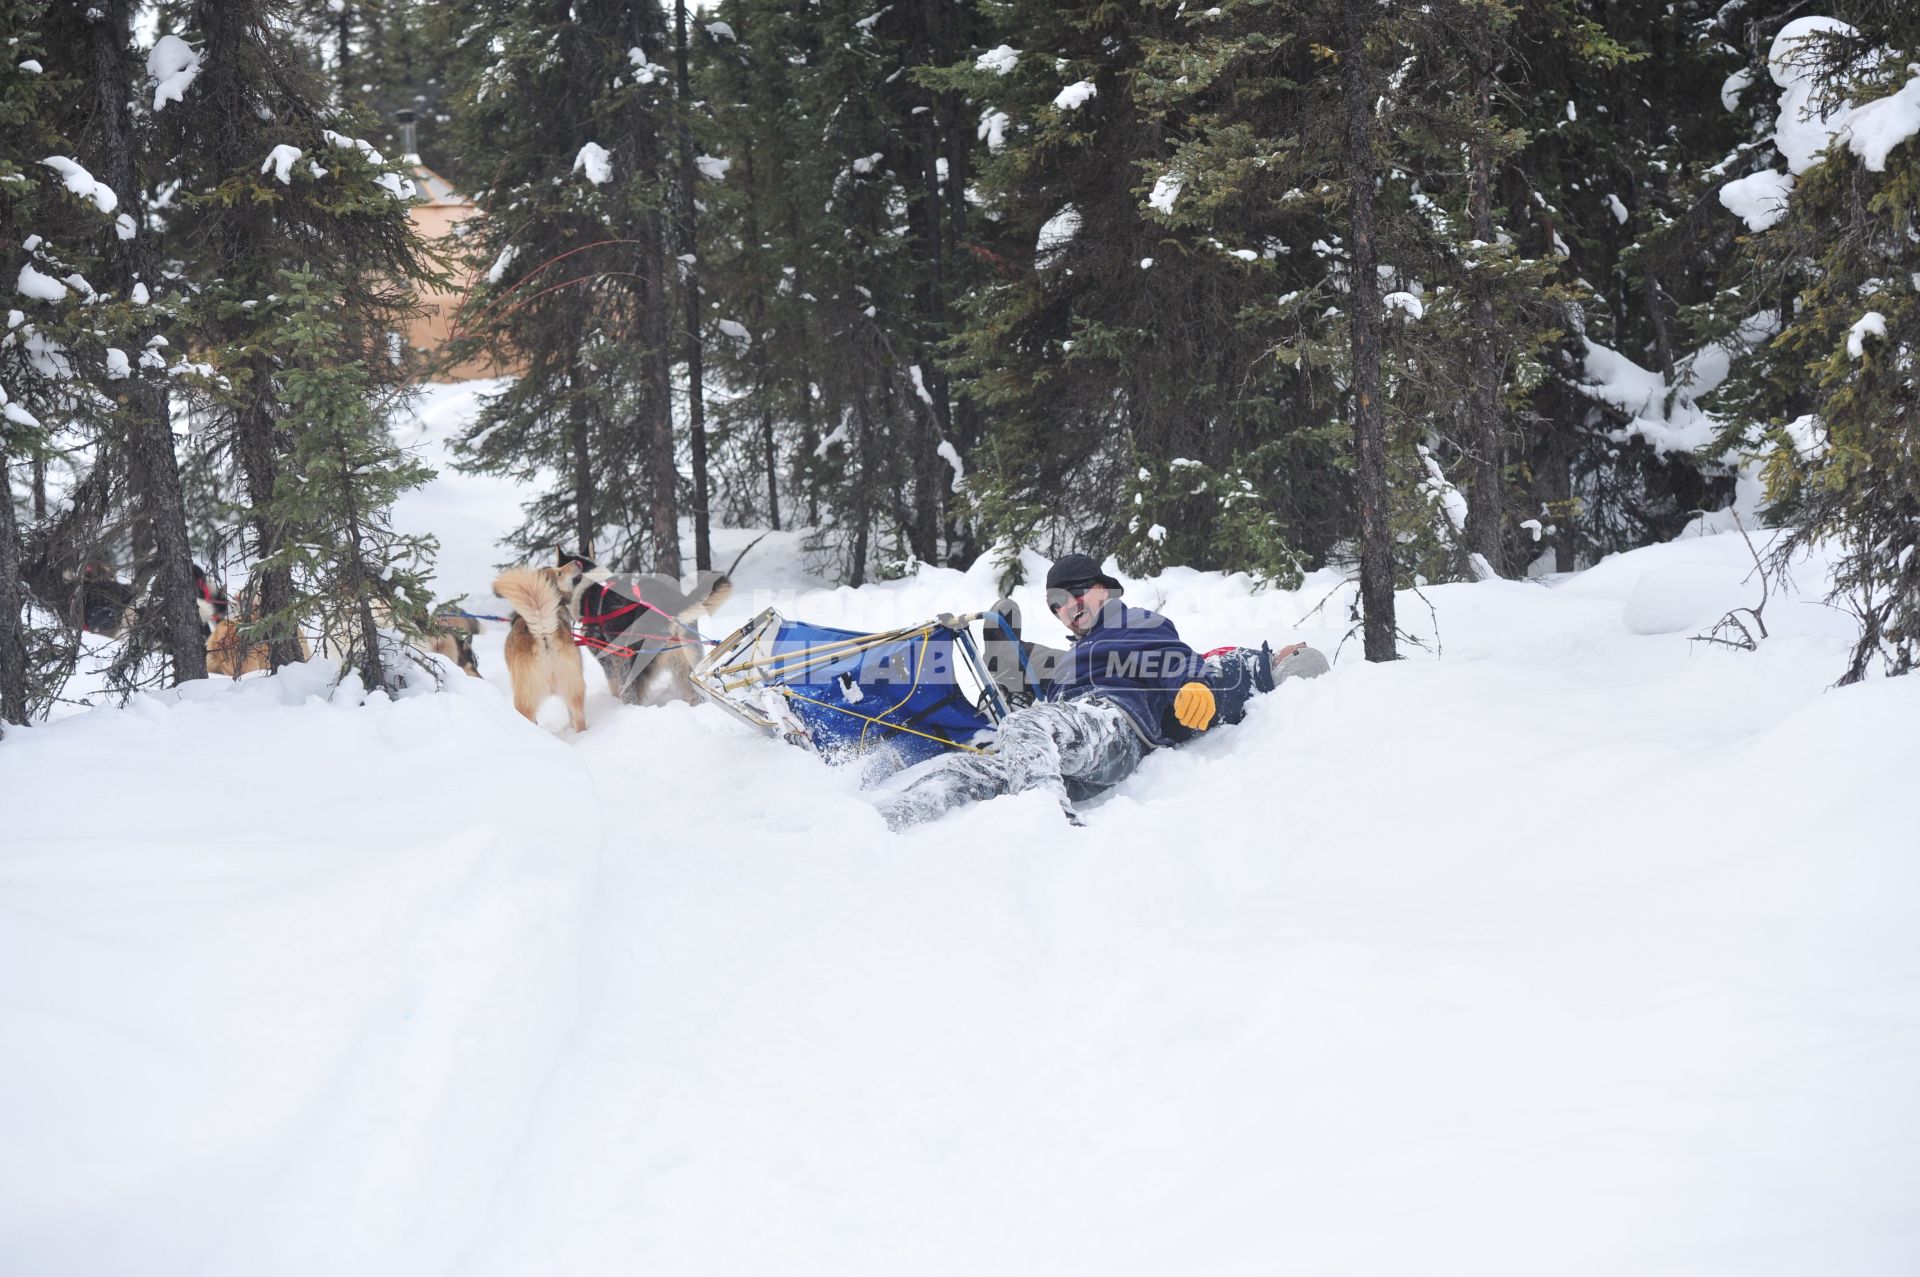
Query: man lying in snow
<point>1126,686</point>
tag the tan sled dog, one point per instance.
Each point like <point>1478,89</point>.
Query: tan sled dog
<point>541,657</point>
<point>451,635</point>
<point>229,655</point>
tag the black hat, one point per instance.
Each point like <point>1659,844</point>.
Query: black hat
<point>1079,569</point>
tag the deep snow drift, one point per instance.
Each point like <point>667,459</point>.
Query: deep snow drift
<point>1579,949</point>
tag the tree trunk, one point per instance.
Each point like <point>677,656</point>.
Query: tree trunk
<point>360,580</point>
<point>1657,316</point>
<point>690,284</point>
<point>806,471</point>
<point>857,570</point>
<point>862,492</point>
<point>770,446</point>
<point>1369,424</point>
<point>653,440</point>
<point>256,447</point>
<point>344,33</point>
<point>144,411</point>
<point>934,109</point>
<point>584,526</point>
<point>1486,503</point>
<point>663,476</point>
<point>13,647</point>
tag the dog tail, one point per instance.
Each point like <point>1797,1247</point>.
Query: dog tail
<point>719,592</point>
<point>534,597</point>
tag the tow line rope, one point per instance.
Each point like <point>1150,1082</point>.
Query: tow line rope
<point>600,645</point>
<point>923,633</point>
<point>692,637</point>
<point>892,727</point>
<point>787,664</point>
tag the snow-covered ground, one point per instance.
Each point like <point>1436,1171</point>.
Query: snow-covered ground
<point>1579,949</point>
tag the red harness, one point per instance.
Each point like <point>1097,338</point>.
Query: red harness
<point>600,620</point>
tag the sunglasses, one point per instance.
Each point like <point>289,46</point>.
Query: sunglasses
<point>1060,596</point>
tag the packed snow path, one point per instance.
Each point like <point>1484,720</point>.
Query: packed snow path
<point>1581,949</point>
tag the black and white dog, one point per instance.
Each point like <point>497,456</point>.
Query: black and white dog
<point>210,598</point>
<point>641,626</point>
<point>105,605</point>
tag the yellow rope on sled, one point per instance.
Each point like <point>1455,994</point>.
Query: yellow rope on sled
<point>920,664</point>
<point>816,653</point>
<point>787,664</point>
<point>919,667</point>
<point>819,653</point>
<point>892,727</point>
<point>759,669</point>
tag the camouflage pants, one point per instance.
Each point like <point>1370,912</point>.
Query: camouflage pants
<point>1070,749</point>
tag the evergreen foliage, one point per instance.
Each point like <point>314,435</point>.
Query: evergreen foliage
<point>88,365</point>
<point>379,58</point>
<point>268,175</point>
<point>355,573</point>
<point>30,372</point>
<point>1845,466</point>
<point>1465,289</point>
<point>565,108</point>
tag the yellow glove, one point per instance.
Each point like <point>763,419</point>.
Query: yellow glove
<point>1193,706</point>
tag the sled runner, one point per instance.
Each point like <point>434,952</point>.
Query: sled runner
<point>916,692</point>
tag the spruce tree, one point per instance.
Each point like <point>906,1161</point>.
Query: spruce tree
<point>80,357</point>
<point>753,213</point>
<point>1621,106</point>
<point>30,373</point>
<point>266,181</point>
<point>114,135</point>
<point>687,239</point>
<point>798,122</point>
<point>1258,179</point>
<point>1358,85</point>
<point>1472,317</point>
<point>861,246</point>
<point>936,161</point>
<point>380,58</point>
<point>562,111</point>
<point>125,503</point>
<point>1845,229</point>
<point>342,475</point>
<point>1146,338</point>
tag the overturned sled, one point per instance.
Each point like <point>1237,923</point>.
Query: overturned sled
<point>914,692</point>
<point>927,689</point>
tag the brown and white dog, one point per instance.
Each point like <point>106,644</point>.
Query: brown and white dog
<point>230,655</point>
<point>447,633</point>
<point>641,627</point>
<point>541,657</point>
<point>451,635</point>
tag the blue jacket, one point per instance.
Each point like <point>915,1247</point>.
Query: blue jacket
<point>1135,659</point>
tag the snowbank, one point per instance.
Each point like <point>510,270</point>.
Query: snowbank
<point>301,975</point>
<point>1575,949</point>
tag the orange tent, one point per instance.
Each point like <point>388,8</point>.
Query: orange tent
<point>437,216</point>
